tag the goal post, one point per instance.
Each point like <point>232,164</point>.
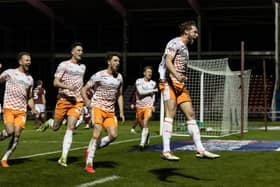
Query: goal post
<point>216,98</point>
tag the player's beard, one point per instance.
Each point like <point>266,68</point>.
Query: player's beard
<point>191,40</point>
<point>25,68</point>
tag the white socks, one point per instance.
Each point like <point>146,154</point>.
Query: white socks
<point>145,132</point>
<point>195,133</point>
<point>104,142</point>
<point>67,142</point>
<point>167,133</point>
<point>3,134</point>
<point>79,122</point>
<point>91,151</point>
<point>11,148</point>
<point>50,122</point>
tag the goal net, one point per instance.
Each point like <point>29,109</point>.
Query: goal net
<point>216,98</point>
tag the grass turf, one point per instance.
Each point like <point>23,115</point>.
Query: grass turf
<point>136,168</point>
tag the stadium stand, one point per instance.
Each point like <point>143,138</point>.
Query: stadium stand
<point>127,95</point>
<point>257,93</point>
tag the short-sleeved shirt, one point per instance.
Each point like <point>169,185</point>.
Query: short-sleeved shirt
<point>37,94</point>
<point>18,89</point>
<point>180,55</point>
<point>145,100</point>
<point>71,74</point>
<point>106,89</point>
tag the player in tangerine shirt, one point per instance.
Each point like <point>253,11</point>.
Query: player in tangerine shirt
<point>107,86</point>
<point>145,97</point>
<point>18,94</point>
<point>69,79</point>
<point>172,71</point>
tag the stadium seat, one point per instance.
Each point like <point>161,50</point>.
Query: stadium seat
<point>257,94</point>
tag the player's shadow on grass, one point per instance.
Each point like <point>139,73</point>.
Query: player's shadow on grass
<point>136,148</point>
<point>164,173</point>
<point>70,159</point>
<point>105,164</point>
<point>18,161</point>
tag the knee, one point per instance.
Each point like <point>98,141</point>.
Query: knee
<point>191,115</point>
<point>17,135</point>
<point>170,114</point>
<point>113,136</point>
<point>10,131</point>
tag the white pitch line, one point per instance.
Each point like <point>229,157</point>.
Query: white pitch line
<point>100,181</point>
<point>51,141</point>
<point>47,153</point>
<point>77,148</point>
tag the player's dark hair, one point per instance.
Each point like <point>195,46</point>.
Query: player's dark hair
<point>20,54</point>
<point>75,44</point>
<point>109,55</point>
<point>187,25</point>
<point>147,67</point>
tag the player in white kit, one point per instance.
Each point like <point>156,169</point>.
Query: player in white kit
<point>145,97</point>
<point>107,85</point>
<point>172,70</point>
<point>18,94</point>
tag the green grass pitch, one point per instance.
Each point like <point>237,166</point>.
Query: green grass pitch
<point>34,162</point>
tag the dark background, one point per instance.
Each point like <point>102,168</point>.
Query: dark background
<point>151,24</point>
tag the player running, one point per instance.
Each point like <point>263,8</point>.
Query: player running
<point>69,79</point>
<point>172,70</point>
<point>107,85</point>
<point>145,97</point>
<point>40,103</point>
<point>18,94</point>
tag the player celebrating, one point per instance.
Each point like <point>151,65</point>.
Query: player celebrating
<point>145,98</point>
<point>40,103</point>
<point>18,93</point>
<point>107,86</point>
<point>172,71</point>
<point>69,79</point>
